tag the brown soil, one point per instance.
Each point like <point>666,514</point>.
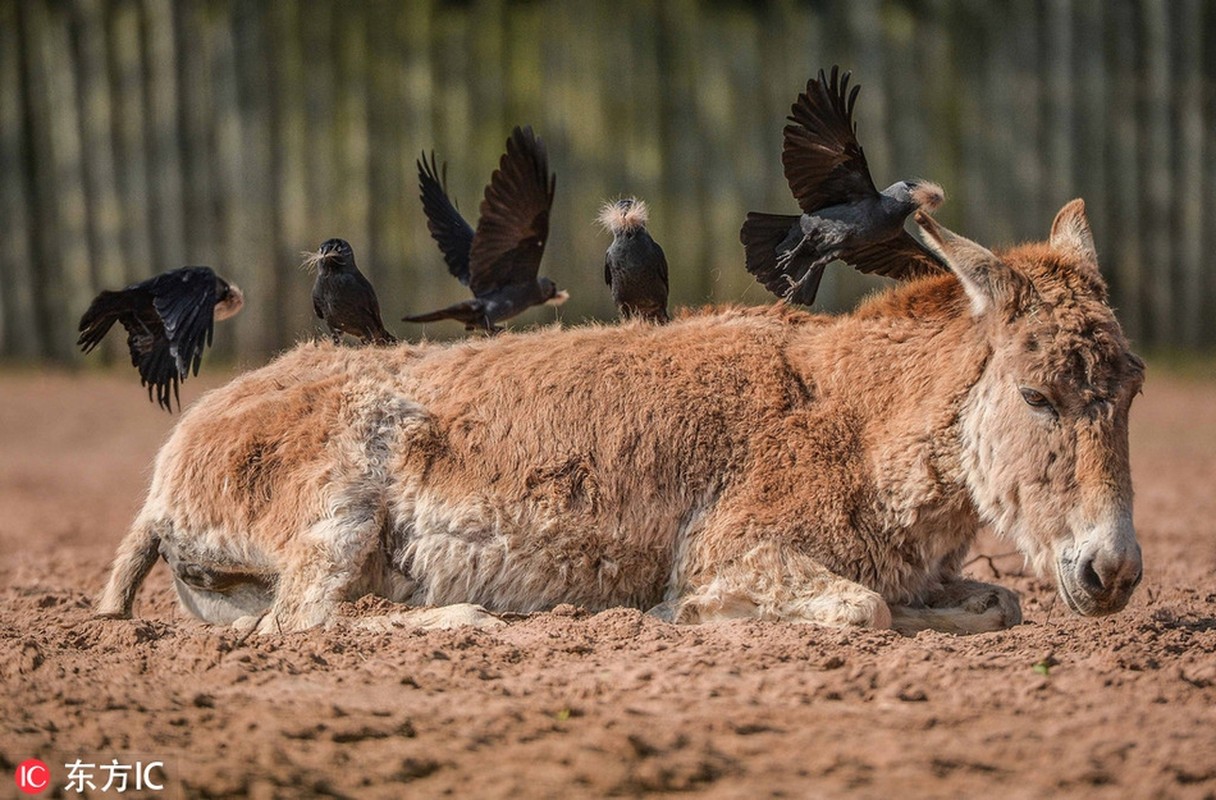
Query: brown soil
<point>568,704</point>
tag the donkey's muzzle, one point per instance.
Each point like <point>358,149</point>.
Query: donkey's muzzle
<point>1100,578</point>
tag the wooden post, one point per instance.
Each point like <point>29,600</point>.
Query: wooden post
<point>1187,219</point>
<point>131,144</point>
<point>390,199</point>
<point>192,54</point>
<point>292,308</point>
<point>1061,126</point>
<point>1124,172</point>
<point>1026,202</point>
<point>320,99</point>
<point>19,329</point>
<point>1156,189</point>
<point>351,191</point>
<point>414,37</point>
<point>104,212</point>
<point>64,291</point>
<point>230,174</point>
<point>251,254</point>
<point>684,161</point>
<point>172,197</point>
<point>1091,132</point>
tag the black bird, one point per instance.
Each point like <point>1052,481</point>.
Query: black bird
<point>343,297</point>
<point>169,321</point>
<point>844,216</point>
<point>634,266</point>
<point>500,260</point>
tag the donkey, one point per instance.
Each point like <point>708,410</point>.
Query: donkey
<point>764,463</point>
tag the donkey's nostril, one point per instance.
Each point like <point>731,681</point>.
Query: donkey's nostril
<point>1089,578</point>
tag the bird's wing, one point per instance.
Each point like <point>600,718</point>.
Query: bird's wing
<point>447,227</point>
<point>824,163</point>
<point>607,270</point>
<point>106,309</point>
<point>901,258</point>
<point>370,310</point>
<point>514,224</point>
<point>185,302</point>
<point>152,355</point>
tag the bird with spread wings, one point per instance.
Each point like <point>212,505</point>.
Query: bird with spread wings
<point>844,216</point>
<point>169,321</point>
<point>499,261</point>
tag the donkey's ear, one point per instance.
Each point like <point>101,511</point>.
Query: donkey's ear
<point>986,279</point>
<point>1070,232</point>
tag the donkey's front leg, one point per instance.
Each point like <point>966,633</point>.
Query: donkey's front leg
<point>961,606</point>
<point>775,581</point>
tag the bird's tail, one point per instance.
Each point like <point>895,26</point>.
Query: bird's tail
<point>102,314</point>
<point>135,557</point>
<point>762,236</point>
<point>470,312</point>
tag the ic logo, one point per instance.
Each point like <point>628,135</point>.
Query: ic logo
<point>32,776</point>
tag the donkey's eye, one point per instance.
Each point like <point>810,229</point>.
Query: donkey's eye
<point>1036,399</point>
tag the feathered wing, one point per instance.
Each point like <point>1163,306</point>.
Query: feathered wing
<point>152,355</point>
<point>514,223</point>
<point>369,312</point>
<point>449,230</point>
<point>168,319</point>
<point>902,258</point>
<point>184,300</point>
<point>824,163</point>
<point>106,309</point>
<point>147,342</point>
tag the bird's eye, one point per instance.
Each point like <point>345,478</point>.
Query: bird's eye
<point>1036,399</point>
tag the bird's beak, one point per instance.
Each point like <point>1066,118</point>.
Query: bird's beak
<point>230,305</point>
<point>559,298</point>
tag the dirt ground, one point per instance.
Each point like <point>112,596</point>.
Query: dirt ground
<point>567,704</point>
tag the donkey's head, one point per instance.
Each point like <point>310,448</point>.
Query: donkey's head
<point>1045,428</point>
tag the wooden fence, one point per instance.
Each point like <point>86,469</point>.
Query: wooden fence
<point>140,135</point>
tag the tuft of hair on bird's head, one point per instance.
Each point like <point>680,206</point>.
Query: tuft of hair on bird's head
<point>626,214</point>
<point>332,252</point>
<point>927,195</point>
<point>231,300</point>
<point>553,295</point>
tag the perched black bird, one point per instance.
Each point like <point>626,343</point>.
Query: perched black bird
<point>169,321</point>
<point>500,261</point>
<point>844,216</point>
<point>343,297</point>
<point>634,266</point>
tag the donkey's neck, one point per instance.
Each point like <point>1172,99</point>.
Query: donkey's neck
<point>903,366</point>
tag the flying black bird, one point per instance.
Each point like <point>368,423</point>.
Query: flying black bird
<point>169,321</point>
<point>634,266</point>
<point>500,260</point>
<point>343,297</point>
<point>844,216</point>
